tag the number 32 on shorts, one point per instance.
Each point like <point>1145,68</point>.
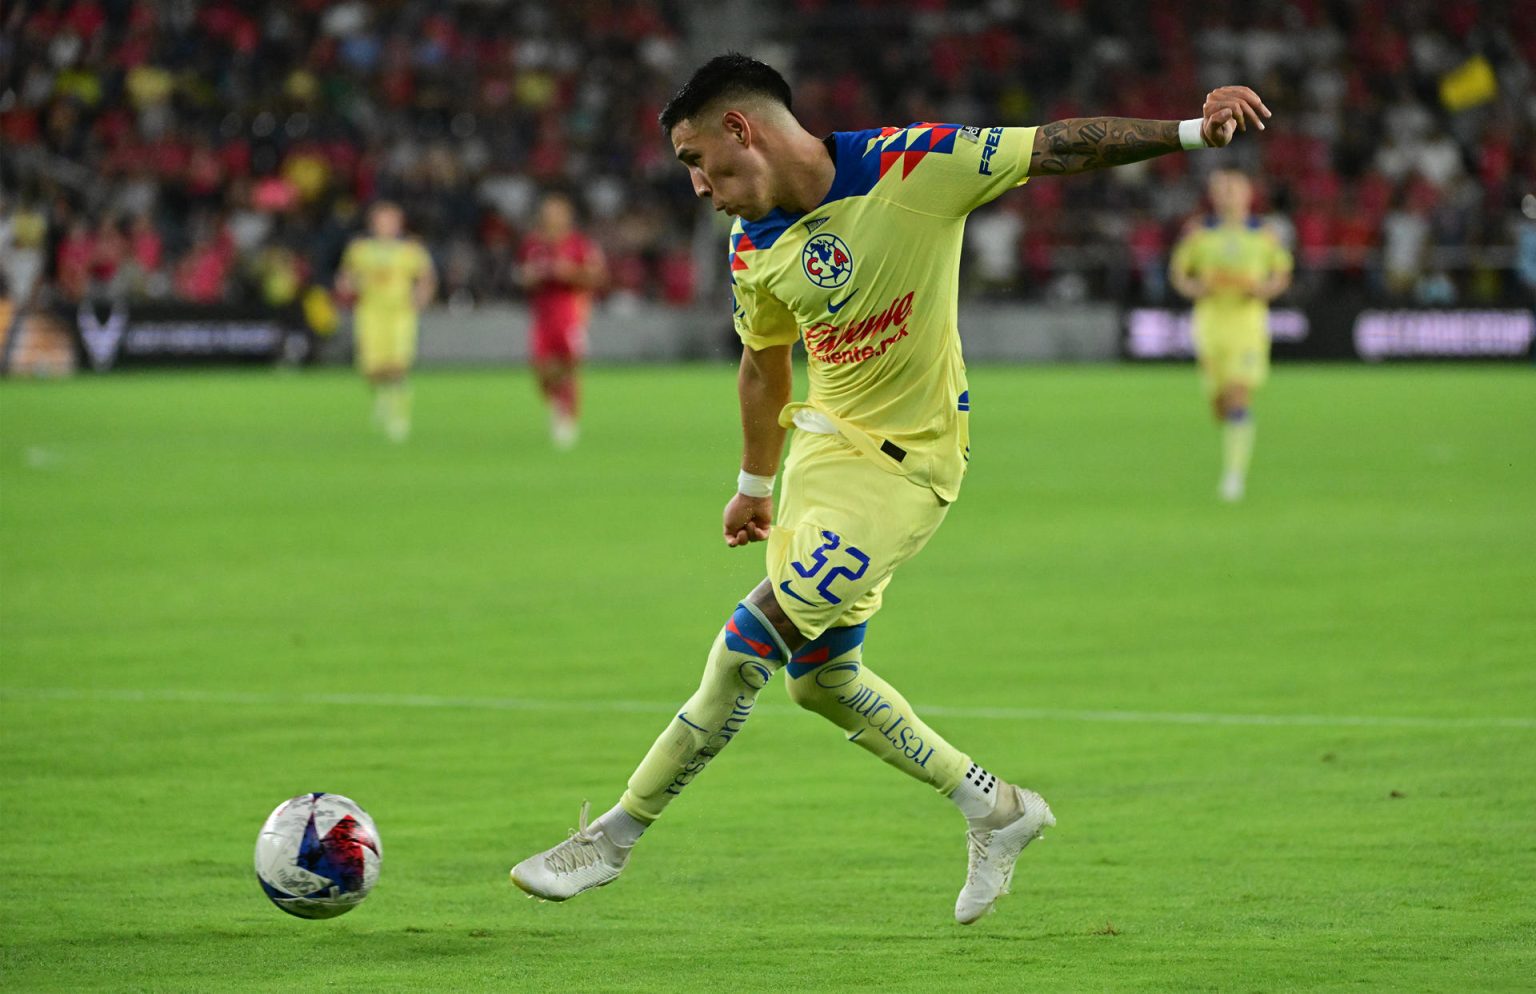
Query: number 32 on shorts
<point>819,558</point>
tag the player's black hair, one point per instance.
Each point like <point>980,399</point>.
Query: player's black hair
<point>728,75</point>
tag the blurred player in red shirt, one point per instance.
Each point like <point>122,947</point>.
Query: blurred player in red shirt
<point>560,268</point>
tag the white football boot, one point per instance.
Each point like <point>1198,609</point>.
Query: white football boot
<point>586,860</point>
<point>564,432</point>
<point>1232,487</point>
<point>993,853</point>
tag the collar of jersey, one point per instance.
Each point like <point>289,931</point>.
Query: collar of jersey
<point>855,175</point>
<point>1254,222</point>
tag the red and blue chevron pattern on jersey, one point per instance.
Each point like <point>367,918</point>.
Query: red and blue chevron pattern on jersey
<point>740,242</point>
<point>910,145</point>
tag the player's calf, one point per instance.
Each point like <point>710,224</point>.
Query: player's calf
<point>1237,435</point>
<point>828,676</point>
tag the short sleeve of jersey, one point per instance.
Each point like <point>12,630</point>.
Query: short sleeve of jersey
<point>1183,260</point>
<point>952,169</point>
<point>351,258</point>
<point>1280,260</point>
<point>761,320</point>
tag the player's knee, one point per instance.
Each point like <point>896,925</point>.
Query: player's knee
<point>762,598</point>
<point>747,634</point>
<point>824,666</point>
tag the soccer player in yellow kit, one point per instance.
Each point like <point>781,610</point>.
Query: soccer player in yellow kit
<point>1232,266</point>
<point>393,280</point>
<point>851,244</point>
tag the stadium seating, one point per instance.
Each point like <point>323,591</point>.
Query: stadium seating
<point>1394,165</point>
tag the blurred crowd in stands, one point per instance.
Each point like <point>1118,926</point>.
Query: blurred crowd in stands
<point>223,151</point>
<point>1401,157</point>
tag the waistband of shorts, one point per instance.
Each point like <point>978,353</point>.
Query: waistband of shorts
<point>811,420</point>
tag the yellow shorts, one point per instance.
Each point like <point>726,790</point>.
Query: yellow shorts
<point>384,341</point>
<point>1232,354</point>
<point>843,526</point>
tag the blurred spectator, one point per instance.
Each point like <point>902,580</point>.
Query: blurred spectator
<point>1524,230</point>
<point>73,261</point>
<point>146,258</point>
<point>109,250</point>
<point>23,246</point>
<point>202,276</point>
<point>1405,237</point>
<point>991,242</point>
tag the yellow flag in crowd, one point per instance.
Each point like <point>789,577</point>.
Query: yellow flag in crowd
<point>1468,85</point>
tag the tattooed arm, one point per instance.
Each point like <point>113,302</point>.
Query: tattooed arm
<point>1082,143</point>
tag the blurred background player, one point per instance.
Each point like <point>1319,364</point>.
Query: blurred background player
<point>1231,265</point>
<point>392,279</point>
<point>560,268</point>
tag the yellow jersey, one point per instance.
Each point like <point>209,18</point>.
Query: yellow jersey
<point>1230,259</point>
<point>385,271</point>
<point>869,280</point>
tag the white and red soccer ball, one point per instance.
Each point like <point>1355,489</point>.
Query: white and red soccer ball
<point>318,855</point>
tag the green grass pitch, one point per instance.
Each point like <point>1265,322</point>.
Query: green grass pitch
<point>1290,743</point>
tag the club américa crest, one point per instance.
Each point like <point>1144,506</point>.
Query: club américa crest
<point>827,261</point>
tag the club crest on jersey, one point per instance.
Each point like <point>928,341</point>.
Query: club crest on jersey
<point>827,261</point>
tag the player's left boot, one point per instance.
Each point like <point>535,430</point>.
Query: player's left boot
<point>993,852</point>
<point>564,432</point>
<point>586,860</point>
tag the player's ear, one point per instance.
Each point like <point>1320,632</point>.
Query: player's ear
<point>737,128</point>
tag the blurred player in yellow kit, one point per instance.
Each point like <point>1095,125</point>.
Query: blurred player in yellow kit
<point>392,278</point>
<point>850,244</point>
<point>1231,266</point>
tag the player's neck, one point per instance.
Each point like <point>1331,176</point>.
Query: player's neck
<point>807,173</point>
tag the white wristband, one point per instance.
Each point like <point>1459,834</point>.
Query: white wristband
<point>1190,135</point>
<point>752,485</point>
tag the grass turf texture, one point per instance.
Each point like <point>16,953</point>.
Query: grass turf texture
<point>239,548</point>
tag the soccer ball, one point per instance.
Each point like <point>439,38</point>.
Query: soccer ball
<point>318,855</point>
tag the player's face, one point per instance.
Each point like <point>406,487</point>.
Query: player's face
<point>1231,193</point>
<point>556,216</point>
<point>723,167</point>
<point>386,222</point>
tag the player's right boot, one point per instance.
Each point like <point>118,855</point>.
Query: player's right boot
<point>564,431</point>
<point>993,852</point>
<point>586,860</point>
<point>1232,487</point>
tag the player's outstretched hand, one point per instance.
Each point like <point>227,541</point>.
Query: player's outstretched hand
<point>1229,109</point>
<point>747,519</point>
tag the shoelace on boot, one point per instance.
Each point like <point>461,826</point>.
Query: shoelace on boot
<point>976,851</point>
<point>976,845</point>
<point>577,852</point>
